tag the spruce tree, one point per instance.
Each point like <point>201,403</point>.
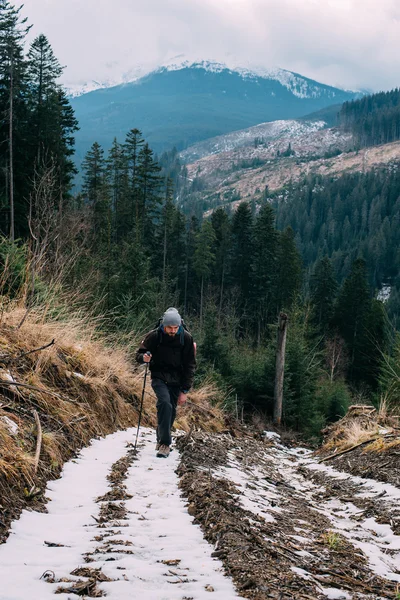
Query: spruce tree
<point>94,186</point>
<point>264,269</point>
<point>43,72</point>
<point>13,30</point>
<point>323,291</point>
<point>117,178</point>
<point>351,316</point>
<point>204,258</point>
<point>289,271</point>
<point>133,144</point>
<point>241,256</point>
<point>221,225</point>
<point>149,185</point>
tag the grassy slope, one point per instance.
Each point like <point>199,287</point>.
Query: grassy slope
<point>89,389</point>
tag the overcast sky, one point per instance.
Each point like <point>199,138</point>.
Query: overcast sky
<point>347,43</point>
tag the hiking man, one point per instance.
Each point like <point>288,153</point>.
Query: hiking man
<point>170,350</point>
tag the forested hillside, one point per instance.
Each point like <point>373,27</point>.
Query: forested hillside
<point>347,217</point>
<point>373,119</point>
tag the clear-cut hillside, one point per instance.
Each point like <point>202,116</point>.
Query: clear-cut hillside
<point>266,139</point>
<point>288,152</point>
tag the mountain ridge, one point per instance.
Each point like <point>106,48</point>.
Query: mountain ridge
<point>138,72</point>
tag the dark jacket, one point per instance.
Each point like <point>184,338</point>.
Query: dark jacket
<point>172,362</point>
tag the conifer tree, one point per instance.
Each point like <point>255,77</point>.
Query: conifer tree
<point>43,72</point>
<point>242,250</point>
<point>290,270</point>
<point>189,289</point>
<point>94,186</point>
<point>204,258</point>
<point>149,183</point>
<point>13,30</point>
<point>264,269</point>
<point>323,291</point>
<point>117,178</point>
<point>221,225</point>
<point>351,316</point>
<point>133,144</point>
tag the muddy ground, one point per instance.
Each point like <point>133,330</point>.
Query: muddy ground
<point>270,519</point>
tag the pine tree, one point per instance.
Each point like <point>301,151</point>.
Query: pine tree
<point>132,147</point>
<point>351,316</point>
<point>264,269</point>
<point>94,186</point>
<point>221,225</point>
<point>204,258</point>
<point>290,270</point>
<point>117,179</point>
<point>43,72</point>
<point>13,30</point>
<point>323,291</point>
<point>189,288</point>
<point>149,184</point>
<point>241,256</point>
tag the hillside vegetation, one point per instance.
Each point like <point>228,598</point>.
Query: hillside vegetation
<point>373,119</point>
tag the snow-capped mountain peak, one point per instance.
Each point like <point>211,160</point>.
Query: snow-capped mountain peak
<point>298,85</point>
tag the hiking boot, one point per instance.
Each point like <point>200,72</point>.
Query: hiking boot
<point>163,451</point>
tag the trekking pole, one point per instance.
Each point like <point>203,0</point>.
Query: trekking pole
<point>141,403</point>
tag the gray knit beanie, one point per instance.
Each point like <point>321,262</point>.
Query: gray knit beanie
<point>172,318</point>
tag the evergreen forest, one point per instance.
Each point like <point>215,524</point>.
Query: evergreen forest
<point>125,248</point>
<point>373,119</point>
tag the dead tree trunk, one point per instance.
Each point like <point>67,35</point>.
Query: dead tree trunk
<point>280,368</point>
<point>201,303</point>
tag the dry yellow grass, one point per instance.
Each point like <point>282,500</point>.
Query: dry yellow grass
<point>357,433</point>
<point>363,424</point>
<point>382,445</point>
<point>84,387</point>
<point>203,409</point>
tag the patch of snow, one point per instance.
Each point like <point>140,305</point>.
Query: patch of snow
<point>10,424</point>
<point>7,375</point>
<point>378,542</point>
<point>261,501</point>
<point>158,526</point>
<point>335,594</point>
<point>299,86</point>
<point>270,435</point>
<point>304,574</point>
<point>384,293</point>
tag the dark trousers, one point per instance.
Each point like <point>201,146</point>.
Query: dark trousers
<point>167,398</point>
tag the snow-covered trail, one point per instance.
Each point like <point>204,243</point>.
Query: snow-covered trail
<point>154,552</point>
<point>118,523</point>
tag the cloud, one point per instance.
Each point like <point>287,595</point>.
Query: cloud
<point>349,43</point>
